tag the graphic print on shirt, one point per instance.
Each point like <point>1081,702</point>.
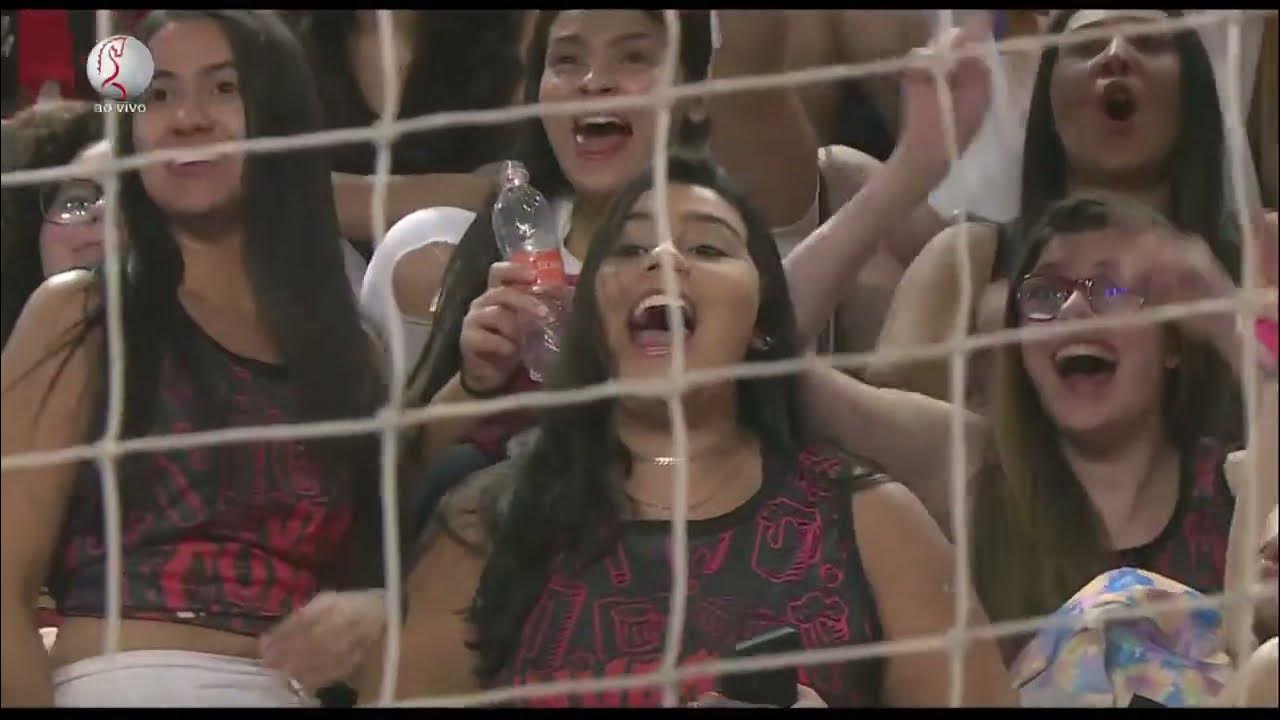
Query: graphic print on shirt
<point>782,560</point>
<point>547,631</point>
<point>232,534</point>
<point>1193,550</point>
<point>788,540</point>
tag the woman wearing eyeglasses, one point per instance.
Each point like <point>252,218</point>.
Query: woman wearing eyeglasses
<point>1105,455</point>
<point>71,230</point>
<point>54,227</point>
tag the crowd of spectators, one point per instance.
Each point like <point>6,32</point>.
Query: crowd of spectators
<point>1108,464</point>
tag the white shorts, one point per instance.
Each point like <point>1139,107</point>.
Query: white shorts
<point>173,678</point>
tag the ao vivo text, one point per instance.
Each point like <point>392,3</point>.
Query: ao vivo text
<point>119,107</point>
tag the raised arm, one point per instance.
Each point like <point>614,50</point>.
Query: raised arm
<point>904,432</point>
<point>820,267</point>
<point>911,568</point>
<point>1263,451</point>
<point>43,411</point>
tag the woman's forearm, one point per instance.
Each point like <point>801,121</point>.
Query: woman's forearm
<point>820,268</point>
<point>903,432</point>
<point>353,198</point>
<point>24,663</point>
<point>439,435</point>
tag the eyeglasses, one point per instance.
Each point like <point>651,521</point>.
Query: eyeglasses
<point>71,203</point>
<point>1042,297</point>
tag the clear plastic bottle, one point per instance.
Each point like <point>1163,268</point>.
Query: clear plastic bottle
<point>525,229</point>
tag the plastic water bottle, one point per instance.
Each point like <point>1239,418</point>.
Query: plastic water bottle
<point>525,229</point>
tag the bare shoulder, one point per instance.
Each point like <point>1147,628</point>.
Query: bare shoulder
<point>65,296</point>
<point>473,509</point>
<point>417,276</point>
<point>867,35</point>
<point>50,317</point>
<point>890,507</point>
<point>413,257</point>
<point>939,260</point>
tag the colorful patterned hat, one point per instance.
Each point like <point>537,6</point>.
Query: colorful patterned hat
<point>1172,657</point>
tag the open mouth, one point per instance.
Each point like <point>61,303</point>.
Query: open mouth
<point>649,325</point>
<point>601,134</point>
<point>1118,102</point>
<point>193,161</point>
<point>1085,361</point>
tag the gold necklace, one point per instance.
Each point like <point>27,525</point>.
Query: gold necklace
<point>665,461</point>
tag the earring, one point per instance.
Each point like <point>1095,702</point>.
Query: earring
<point>761,342</point>
<point>1172,361</point>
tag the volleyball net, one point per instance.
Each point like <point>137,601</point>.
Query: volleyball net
<point>391,420</point>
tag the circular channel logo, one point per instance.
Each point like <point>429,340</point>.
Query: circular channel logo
<point>120,68</point>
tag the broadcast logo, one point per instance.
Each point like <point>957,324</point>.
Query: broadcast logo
<point>120,69</point>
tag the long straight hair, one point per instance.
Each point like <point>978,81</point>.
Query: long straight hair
<point>467,274</point>
<point>293,261</point>
<point>1037,537</point>
<point>1197,204</point>
<point>566,498</point>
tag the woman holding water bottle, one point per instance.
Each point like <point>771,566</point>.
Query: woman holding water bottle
<point>580,161</point>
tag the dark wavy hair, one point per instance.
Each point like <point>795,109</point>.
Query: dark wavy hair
<point>294,265</point>
<point>1198,203</point>
<point>466,276</point>
<point>48,135</point>
<point>1037,536</point>
<point>463,60</point>
<point>564,500</point>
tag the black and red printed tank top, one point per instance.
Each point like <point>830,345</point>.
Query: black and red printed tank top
<point>230,537</point>
<point>787,557</point>
<point>1192,548</point>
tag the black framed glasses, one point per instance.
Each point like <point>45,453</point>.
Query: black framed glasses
<point>73,202</point>
<point>1042,297</point>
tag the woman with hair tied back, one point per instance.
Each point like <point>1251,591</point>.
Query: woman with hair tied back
<point>562,570</point>
<point>1135,115</point>
<point>236,313</point>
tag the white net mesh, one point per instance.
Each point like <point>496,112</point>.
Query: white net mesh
<point>106,450</point>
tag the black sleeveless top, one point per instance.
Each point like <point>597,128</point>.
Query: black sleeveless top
<point>229,537</point>
<point>786,557</point>
<point>1192,548</point>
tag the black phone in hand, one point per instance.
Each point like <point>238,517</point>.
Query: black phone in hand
<point>774,688</point>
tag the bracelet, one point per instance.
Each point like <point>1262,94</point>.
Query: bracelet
<point>482,394</point>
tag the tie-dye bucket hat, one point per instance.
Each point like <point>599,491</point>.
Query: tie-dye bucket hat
<point>1172,657</point>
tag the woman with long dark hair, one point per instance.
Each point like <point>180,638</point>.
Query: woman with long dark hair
<point>43,235</point>
<point>445,60</point>
<point>783,533</point>
<point>235,312</point>
<point>578,162</point>
<point>1135,115</point>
